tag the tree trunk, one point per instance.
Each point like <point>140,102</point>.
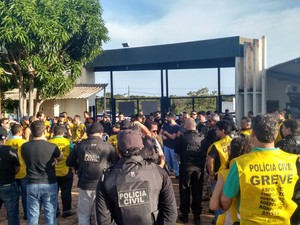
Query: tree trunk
<point>21,96</point>
<point>31,99</point>
<point>38,102</point>
<point>38,105</point>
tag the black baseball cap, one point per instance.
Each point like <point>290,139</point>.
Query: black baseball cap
<point>129,140</point>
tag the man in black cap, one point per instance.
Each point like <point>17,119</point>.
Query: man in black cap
<point>91,157</point>
<point>135,191</point>
<point>62,123</point>
<point>106,124</point>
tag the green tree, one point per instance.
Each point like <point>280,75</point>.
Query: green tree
<point>47,43</point>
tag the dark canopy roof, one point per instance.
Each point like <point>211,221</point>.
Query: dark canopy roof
<point>289,71</point>
<point>214,53</point>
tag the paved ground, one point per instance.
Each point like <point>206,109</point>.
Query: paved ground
<point>206,217</point>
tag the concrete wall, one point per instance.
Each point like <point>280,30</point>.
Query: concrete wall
<point>71,106</point>
<point>250,79</point>
<point>88,77</point>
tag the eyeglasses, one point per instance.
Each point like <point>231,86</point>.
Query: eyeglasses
<point>154,131</point>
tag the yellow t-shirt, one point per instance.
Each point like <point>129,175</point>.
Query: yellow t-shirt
<point>64,146</point>
<point>78,132</point>
<point>246,132</point>
<point>47,133</point>
<point>16,143</point>
<point>114,141</point>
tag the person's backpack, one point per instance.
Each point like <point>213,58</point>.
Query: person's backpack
<point>150,150</point>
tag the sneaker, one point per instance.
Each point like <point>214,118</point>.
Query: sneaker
<point>197,220</point>
<point>184,218</point>
<point>67,214</point>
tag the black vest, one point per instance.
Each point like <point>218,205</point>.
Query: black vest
<point>133,186</point>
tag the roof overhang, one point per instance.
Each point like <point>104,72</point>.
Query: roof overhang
<point>288,71</point>
<point>79,91</point>
<point>214,53</point>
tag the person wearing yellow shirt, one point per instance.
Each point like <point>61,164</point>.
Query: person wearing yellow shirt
<point>64,175</point>
<point>280,116</point>
<point>78,130</point>
<point>246,129</point>
<point>238,146</point>
<point>16,142</point>
<point>265,179</point>
<point>217,154</point>
<point>48,125</point>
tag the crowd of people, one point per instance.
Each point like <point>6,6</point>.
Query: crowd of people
<point>124,169</point>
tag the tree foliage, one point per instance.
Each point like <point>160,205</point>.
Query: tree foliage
<point>47,42</point>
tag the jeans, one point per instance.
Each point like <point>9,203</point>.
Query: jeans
<point>41,195</point>
<point>171,158</point>
<point>9,194</point>
<point>22,186</point>
<point>86,206</point>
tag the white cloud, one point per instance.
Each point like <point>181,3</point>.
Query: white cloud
<point>194,20</point>
<point>200,20</point>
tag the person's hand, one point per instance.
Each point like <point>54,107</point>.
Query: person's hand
<point>211,178</point>
<point>55,162</point>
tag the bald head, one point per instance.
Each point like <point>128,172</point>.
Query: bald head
<point>190,124</point>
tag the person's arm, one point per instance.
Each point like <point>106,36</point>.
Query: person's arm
<point>214,203</point>
<point>15,160</point>
<point>171,136</point>
<point>161,131</point>
<point>84,135</point>
<point>144,129</point>
<point>210,163</point>
<point>72,158</point>
<point>161,154</point>
<point>27,134</point>
<point>167,201</point>
<point>17,169</point>
<point>231,187</point>
<point>179,134</point>
<point>69,129</point>
<point>57,156</point>
<point>225,202</point>
<point>102,205</point>
<point>52,130</point>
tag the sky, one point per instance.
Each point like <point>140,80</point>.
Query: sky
<point>155,22</point>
